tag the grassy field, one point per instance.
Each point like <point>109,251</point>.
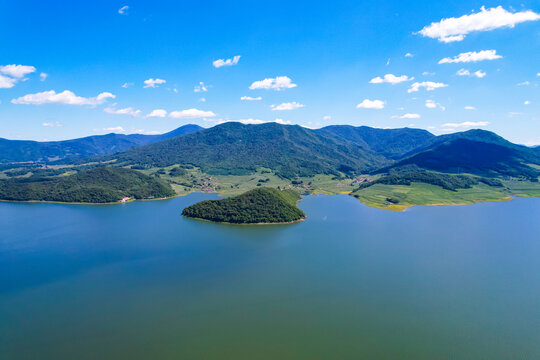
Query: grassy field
<point>389,197</point>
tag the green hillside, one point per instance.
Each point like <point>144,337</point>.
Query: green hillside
<point>475,157</point>
<point>262,205</point>
<point>234,148</point>
<point>99,185</point>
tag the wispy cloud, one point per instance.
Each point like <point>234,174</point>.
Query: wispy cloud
<point>391,79</point>
<point>465,72</point>
<point>371,104</point>
<point>249,98</point>
<point>277,83</point>
<point>126,85</point>
<point>469,108</point>
<point>466,124</point>
<point>472,56</point>
<point>191,114</point>
<point>431,104</point>
<point>115,129</point>
<point>152,83</point>
<point>200,88</point>
<point>407,116</point>
<point>52,124</point>
<point>524,83</point>
<point>228,62</point>
<point>455,29</point>
<point>66,97</point>
<point>287,106</point>
<point>428,85</point>
<point>123,10</point>
<point>43,76</point>
<point>125,111</point>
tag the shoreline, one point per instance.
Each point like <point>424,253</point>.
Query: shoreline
<point>245,224</point>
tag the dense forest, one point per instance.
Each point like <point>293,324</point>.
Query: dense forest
<point>98,185</point>
<point>446,181</point>
<point>261,205</point>
<point>234,148</point>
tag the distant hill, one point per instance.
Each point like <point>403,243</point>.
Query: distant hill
<point>234,148</point>
<point>99,185</point>
<point>391,143</point>
<point>25,151</point>
<point>497,157</point>
<point>262,205</point>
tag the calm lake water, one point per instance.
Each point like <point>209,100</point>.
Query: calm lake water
<point>138,281</point>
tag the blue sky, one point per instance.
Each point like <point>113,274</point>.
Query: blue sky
<point>322,60</point>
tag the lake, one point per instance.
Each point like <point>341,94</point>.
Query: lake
<point>138,281</point>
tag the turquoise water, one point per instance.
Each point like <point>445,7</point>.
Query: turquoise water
<point>138,281</point>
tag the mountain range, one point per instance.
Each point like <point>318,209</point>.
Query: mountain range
<point>292,151</point>
<point>45,151</point>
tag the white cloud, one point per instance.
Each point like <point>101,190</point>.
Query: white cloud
<point>229,62</point>
<point>160,113</point>
<point>431,104</point>
<point>126,85</point>
<point>428,85</point>
<point>427,73</point>
<point>327,117</point>
<point>469,108</point>
<point>43,76</point>
<point>278,83</point>
<point>455,29</point>
<point>152,83</point>
<point>538,74</point>
<point>371,104</point>
<point>52,124</point>
<point>200,88</point>
<point>7,82</point>
<point>251,121</point>
<point>407,116</point>
<point>409,55</point>
<point>123,10</point>
<point>191,114</point>
<point>111,129</point>
<point>464,72</point>
<point>390,78</point>
<point>466,124</point>
<point>472,56</point>
<point>527,102</point>
<point>524,83</point>
<point>249,98</point>
<point>126,111</point>
<point>66,97</point>
<point>287,106</point>
<point>202,99</point>
<point>17,71</point>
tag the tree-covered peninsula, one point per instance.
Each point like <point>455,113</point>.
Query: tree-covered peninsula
<point>98,185</point>
<point>258,206</point>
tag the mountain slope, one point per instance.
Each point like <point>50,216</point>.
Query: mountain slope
<point>234,148</point>
<point>99,185</point>
<point>392,143</point>
<point>463,155</point>
<point>24,151</point>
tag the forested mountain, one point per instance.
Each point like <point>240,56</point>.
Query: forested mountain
<point>462,155</point>
<point>98,185</point>
<point>262,205</point>
<point>24,151</point>
<point>392,143</point>
<point>234,148</point>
